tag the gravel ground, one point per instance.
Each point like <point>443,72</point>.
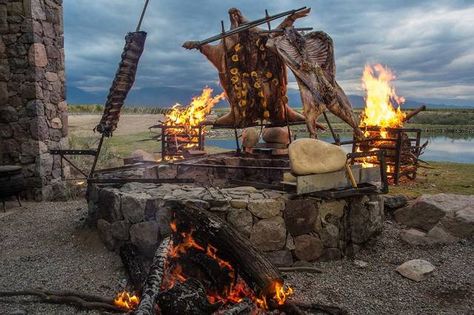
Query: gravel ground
<point>46,245</point>
<point>379,289</point>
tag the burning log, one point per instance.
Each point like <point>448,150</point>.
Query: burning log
<point>255,269</point>
<point>188,297</point>
<point>154,280</point>
<point>411,114</point>
<point>135,265</point>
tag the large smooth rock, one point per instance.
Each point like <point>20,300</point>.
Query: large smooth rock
<point>311,156</point>
<point>269,234</point>
<point>300,215</point>
<point>241,220</point>
<point>266,208</point>
<point>276,135</point>
<point>308,247</point>
<point>145,236</point>
<point>416,269</point>
<point>428,210</point>
<point>330,235</point>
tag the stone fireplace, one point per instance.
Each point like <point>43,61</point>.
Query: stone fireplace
<point>33,110</point>
<point>286,227</point>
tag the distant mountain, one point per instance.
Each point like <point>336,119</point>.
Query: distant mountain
<point>168,96</point>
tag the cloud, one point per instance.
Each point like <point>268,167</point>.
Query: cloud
<point>429,44</point>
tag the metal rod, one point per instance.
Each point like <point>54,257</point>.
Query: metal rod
<point>96,158</point>
<point>234,166</point>
<point>336,137</point>
<point>247,26</point>
<point>139,180</point>
<point>73,165</point>
<point>142,15</point>
<point>299,29</point>
<point>236,135</point>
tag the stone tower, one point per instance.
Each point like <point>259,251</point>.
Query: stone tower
<point>33,110</point>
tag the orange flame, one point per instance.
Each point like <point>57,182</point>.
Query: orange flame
<point>126,301</point>
<point>185,135</point>
<point>380,94</point>
<point>237,289</point>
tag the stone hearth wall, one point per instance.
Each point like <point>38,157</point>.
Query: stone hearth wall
<point>286,230</point>
<point>33,111</point>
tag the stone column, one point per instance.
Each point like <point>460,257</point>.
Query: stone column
<point>33,110</point>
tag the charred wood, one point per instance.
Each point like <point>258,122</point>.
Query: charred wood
<point>154,280</point>
<point>258,272</point>
<point>188,297</point>
<point>135,265</point>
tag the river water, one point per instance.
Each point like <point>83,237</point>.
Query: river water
<point>459,149</point>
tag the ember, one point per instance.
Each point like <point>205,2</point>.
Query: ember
<point>126,300</point>
<point>232,288</point>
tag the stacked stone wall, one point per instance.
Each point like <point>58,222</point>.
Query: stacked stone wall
<point>33,110</point>
<point>286,229</point>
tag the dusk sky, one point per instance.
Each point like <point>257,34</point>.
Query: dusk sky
<point>429,44</point>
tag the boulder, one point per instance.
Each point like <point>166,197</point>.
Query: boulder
<point>109,204</point>
<point>105,233</point>
<point>300,215</point>
<point>266,208</point>
<point>416,269</point>
<point>280,258</point>
<point>366,218</point>
<point>308,247</point>
<point>414,237</point>
<point>269,234</point>
<point>250,137</point>
<point>241,220</point>
<point>428,210</point>
<point>276,135</point>
<point>331,211</point>
<point>239,203</point>
<point>440,236</point>
<point>330,254</point>
<point>133,206</point>
<point>394,202</point>
<point>311,156</point>
<point>330,235</point>
<point>120,230</point>
<point>145,236</point>
<point>460,223</point>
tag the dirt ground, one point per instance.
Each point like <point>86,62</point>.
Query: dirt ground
<point>46,245</point>
<point>82,124</point>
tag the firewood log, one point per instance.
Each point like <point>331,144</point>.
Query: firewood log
<point>154,280</point>
<point>258,272</point>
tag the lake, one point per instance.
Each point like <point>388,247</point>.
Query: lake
<point>458,149</point>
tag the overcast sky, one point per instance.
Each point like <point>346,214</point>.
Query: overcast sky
<point>428,44</point>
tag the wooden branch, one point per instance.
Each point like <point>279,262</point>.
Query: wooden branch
<point>134,264</point>
<point>411,114</point>
<point>154,280</point>
<point>258,272</point>
<point>87,301</point>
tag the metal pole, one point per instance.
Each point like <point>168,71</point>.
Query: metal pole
<point>227,70</point>
<point>101,141</point>
<point>336,137</point>
<point>142,15</point>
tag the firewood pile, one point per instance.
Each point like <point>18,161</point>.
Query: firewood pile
<point>206,267</point>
